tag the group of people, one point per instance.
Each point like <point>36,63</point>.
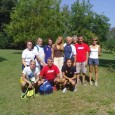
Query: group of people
<point>60,63</point>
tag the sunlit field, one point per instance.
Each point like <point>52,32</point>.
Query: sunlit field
<point>88,100</point>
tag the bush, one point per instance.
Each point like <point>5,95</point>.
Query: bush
<point>5,41</point>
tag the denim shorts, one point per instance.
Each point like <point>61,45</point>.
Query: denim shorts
<point>92,61</point>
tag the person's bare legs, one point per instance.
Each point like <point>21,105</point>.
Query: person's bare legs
<point>90,74</point>
<point>78,80</point>
<point>96,74</point>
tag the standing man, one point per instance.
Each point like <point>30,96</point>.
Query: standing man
<point>39,53</point>
<point>69,50</point>
<point>82,50</point>
<point>48,49</point>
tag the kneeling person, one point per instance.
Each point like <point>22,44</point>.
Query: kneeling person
<point>69,75</point>
<point>51,73</point>
<point>30,77</point>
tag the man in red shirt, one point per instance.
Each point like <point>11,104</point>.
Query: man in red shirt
<point>51,73</point>
<point>82,50</point>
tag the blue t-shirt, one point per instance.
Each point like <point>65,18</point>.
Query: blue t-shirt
<point>48,52</point>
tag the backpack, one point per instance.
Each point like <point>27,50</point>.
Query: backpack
<point>68,52</point>
<point>46,88</point>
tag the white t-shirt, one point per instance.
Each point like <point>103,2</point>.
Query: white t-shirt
<point>73,48</point>
<point>40,52</point>
<point>30,74</point>
<point>28,55</point>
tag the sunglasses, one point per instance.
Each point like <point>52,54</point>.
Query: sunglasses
<point>94,40</point>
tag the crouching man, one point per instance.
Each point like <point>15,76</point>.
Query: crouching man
<point>69,76</point>
<point>30,77</point>
<point>51,73</point>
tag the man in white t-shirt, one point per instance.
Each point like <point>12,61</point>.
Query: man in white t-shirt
<point>30,77</point>
<point>39,52</point>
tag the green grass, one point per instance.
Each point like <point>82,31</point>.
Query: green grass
<point>88,100</point>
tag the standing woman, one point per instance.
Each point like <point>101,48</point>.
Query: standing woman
<point>57,52</point>
<point>95,51</point>
<point>27,54</point>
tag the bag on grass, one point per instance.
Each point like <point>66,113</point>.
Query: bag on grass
<point>30,92</point>
<point>46,88</point>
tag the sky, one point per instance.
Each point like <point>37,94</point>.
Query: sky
<point>106,7</point>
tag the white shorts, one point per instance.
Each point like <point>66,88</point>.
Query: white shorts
<point>59,62</point>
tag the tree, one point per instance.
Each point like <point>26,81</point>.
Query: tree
<point>35,18</point>
<point>88,23</point>
<point>6,7</point>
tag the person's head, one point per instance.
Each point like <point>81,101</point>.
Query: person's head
<point>39,41</point>
<point>94,40</point>
<point>50,42</point>
<point>69,63</point>
<point>29,44</point>
<point>50,62</point>
<point>59,40</point>
<point>80,39</point>
<point>75,39</point>
<point>32,64</point>
<point>69,40</point>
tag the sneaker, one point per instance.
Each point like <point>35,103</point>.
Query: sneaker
<point>23,95</point>
<point>90,83</point>
<point>64,90</point>
<point>96,84</point>
<point>75,90</point>
<point>84,84</point>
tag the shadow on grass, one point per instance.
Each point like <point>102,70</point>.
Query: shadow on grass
<point>2,59</point>
<point>107,63</point>
<point>17,52</point>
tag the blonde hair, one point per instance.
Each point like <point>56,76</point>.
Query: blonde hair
<point>61,44</point>
<point>32,61</point>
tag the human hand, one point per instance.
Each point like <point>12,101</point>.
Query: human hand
<point>30,85</point>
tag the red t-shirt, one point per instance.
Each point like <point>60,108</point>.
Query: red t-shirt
<point>49,73</point>
<point>81,50</point>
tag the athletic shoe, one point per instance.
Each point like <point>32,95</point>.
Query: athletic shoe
<point>96,84</point>
<point>23,95</point>
<point>84,84</point>
<point>64,90</point>
<point>90,83</point>
<point>75,90</point>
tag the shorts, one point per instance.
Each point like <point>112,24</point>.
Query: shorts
<point>92,61</point>
<point>81,67</point>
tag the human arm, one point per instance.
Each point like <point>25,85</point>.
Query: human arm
<point>99,50</point>
<point>52,49</point>
<point>74,53</point>
<point>23,58</point>
<point>26,80</point>
<point>40,60</point>
<point>23,62</point>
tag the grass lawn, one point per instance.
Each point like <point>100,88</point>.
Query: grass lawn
<point>88,100</point>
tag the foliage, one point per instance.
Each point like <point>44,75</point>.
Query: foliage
<point>110,44</point>
<point>31,19</point>
<point>88,23</point>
